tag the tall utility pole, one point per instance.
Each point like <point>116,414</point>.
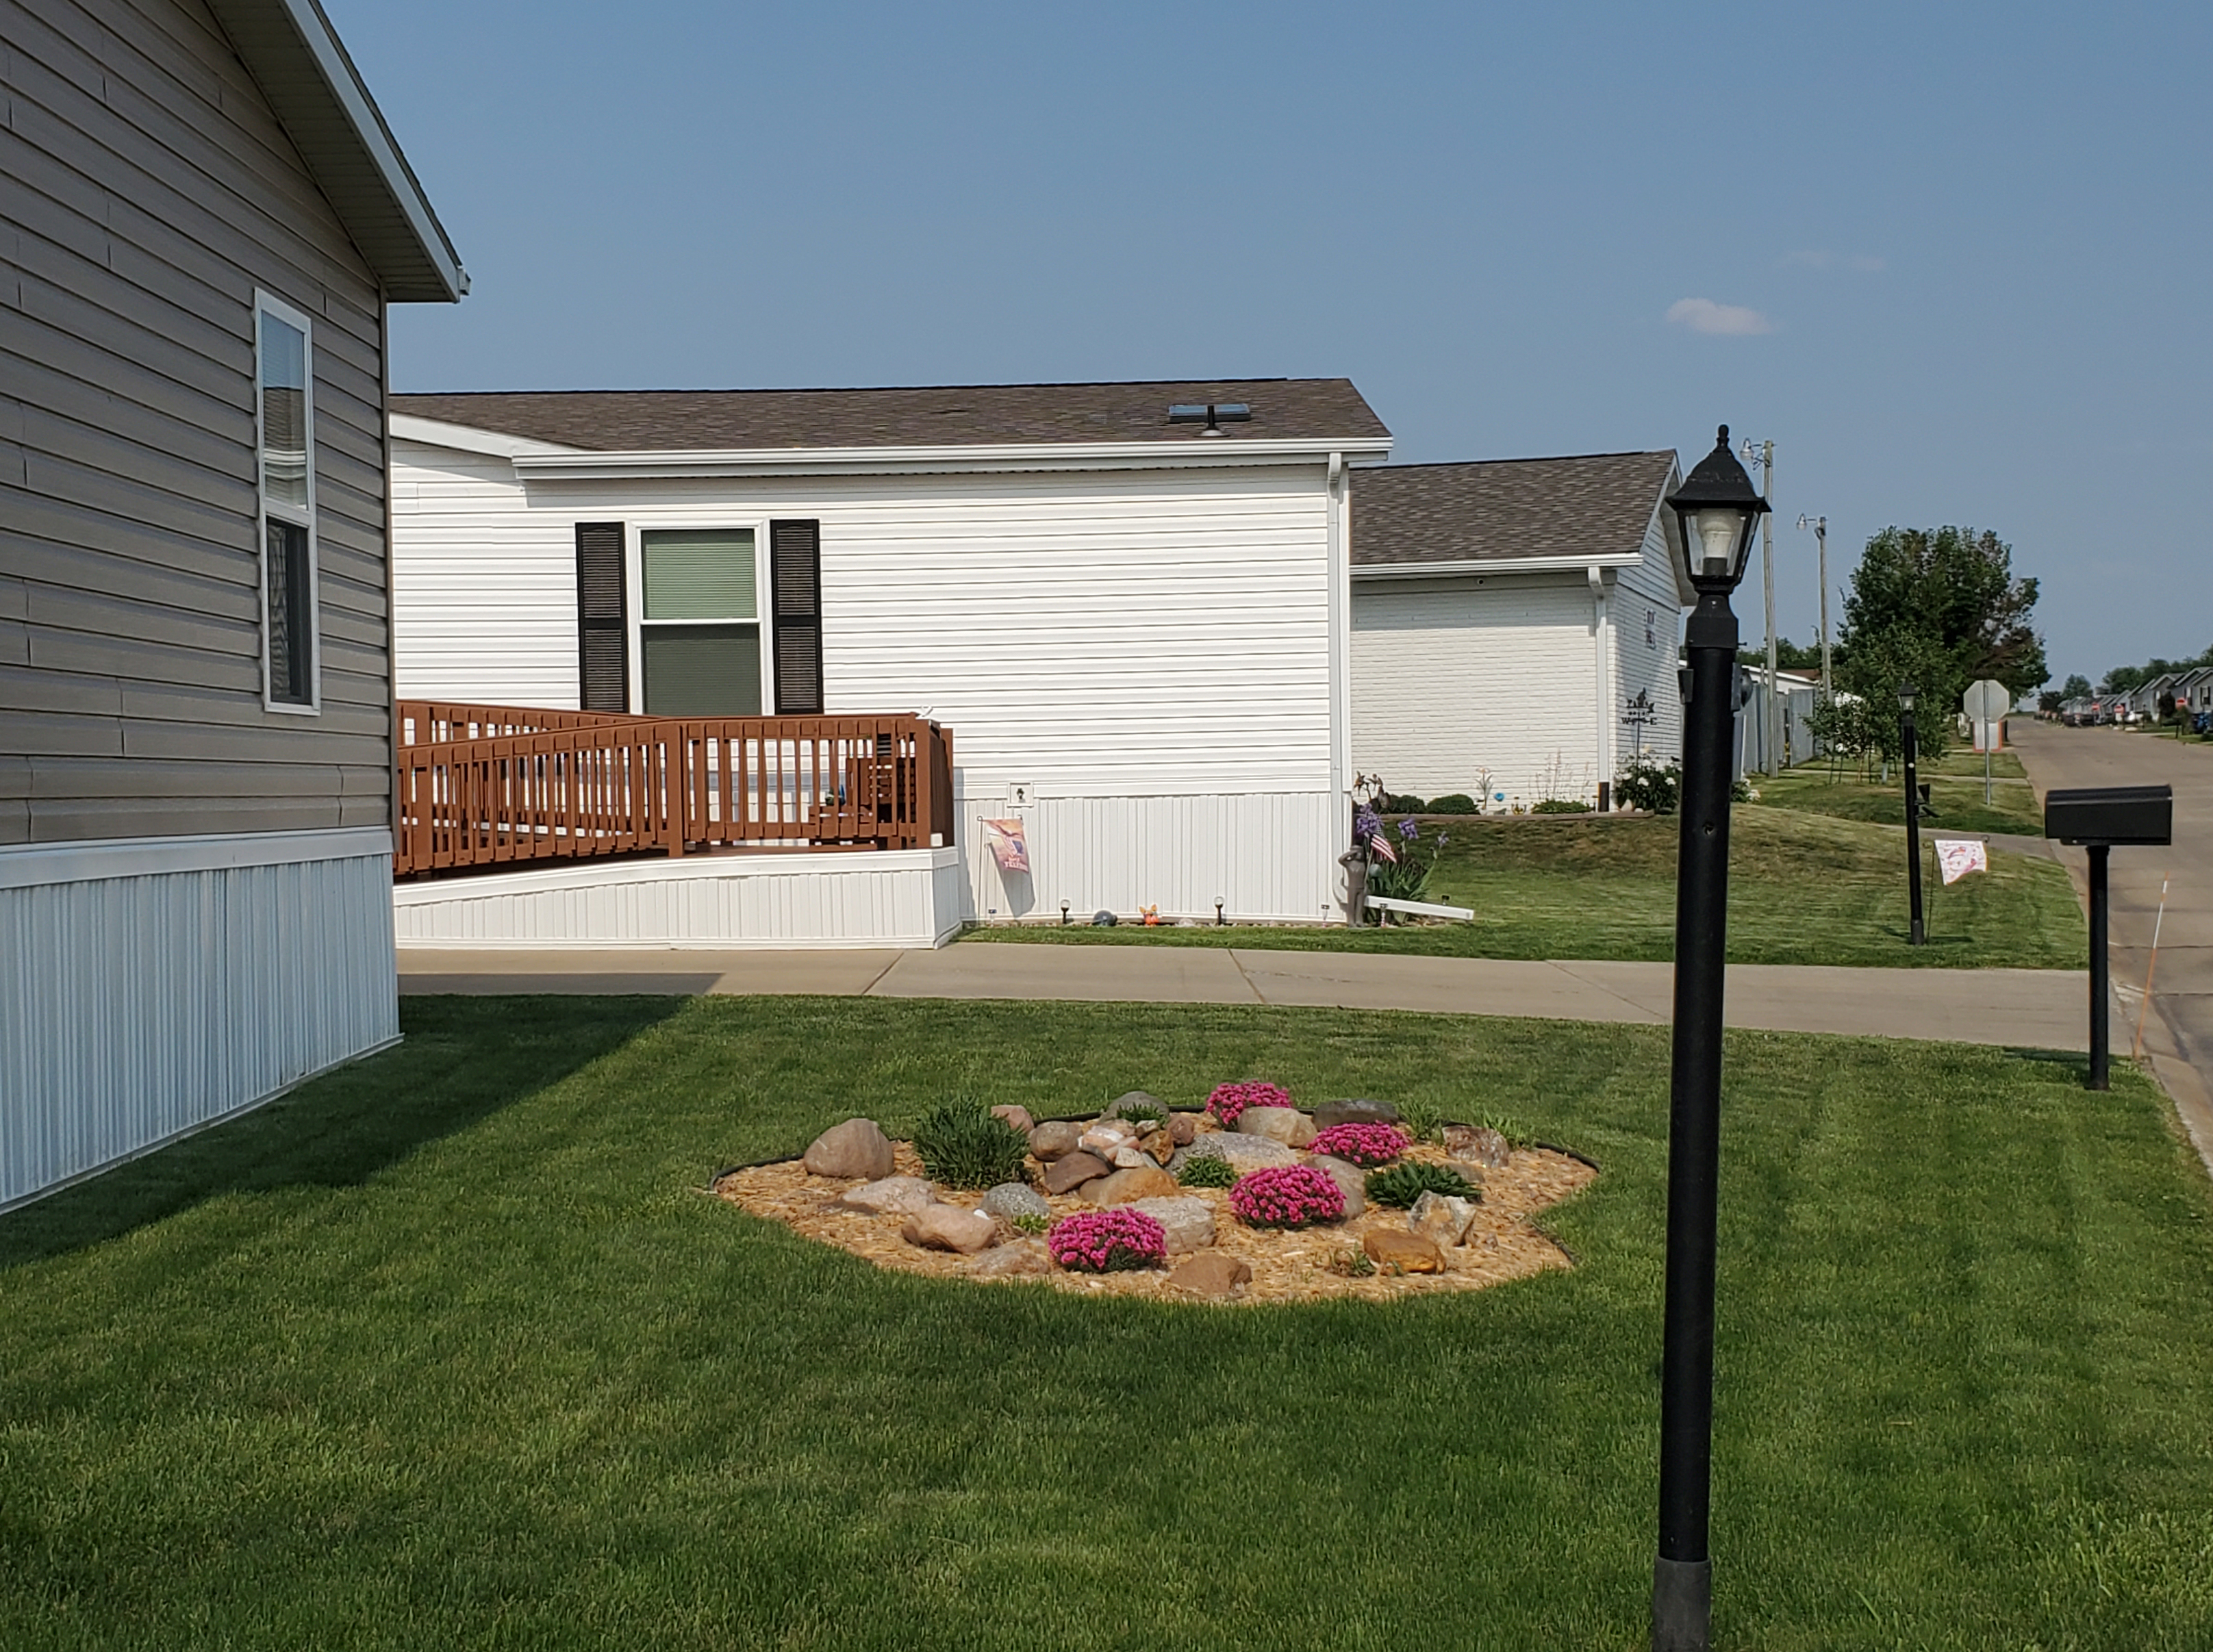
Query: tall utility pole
<point>1820,526</point>
<point>1772,724</point>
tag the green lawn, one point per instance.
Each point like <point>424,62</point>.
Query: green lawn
<point>1955,789</point>
<point>1804,888</point>
<point>450,1350</point>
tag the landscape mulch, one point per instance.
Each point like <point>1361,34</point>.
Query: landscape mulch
<point>1288,1265</point>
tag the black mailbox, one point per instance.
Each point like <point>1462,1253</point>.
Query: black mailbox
<point>2111,815</point>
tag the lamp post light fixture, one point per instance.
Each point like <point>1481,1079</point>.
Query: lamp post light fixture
<point>1219,903</point>
<point>1916,935</point>
<point>1820,526</point>
<point>1063,911</point>
<point>1716,511</point>
<point>1762,454</point>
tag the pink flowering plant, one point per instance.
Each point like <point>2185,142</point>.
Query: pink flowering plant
<point>1229,1101</point>
<point>1111,1240</point>
<point>1289,1196</point>
<point>1364,1144</point>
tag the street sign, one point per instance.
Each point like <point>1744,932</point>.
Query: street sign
<point>1986,700</point>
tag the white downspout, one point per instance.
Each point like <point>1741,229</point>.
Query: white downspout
<point>1337,502</point>
<point>1602,676</point>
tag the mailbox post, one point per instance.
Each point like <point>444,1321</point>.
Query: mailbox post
<point>2097,818</point>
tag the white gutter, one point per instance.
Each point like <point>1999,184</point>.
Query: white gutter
<point>570,465</point>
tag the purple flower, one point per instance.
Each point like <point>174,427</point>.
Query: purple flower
<point>1410,828</point>
<point>1366,822</point>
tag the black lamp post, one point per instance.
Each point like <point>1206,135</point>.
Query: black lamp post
<point>1716,511</point>
<point>1918,935</point>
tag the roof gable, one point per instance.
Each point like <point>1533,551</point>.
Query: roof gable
<point>301,67</point>
<point>934,415</point>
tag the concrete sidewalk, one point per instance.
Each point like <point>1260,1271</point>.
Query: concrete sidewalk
<point>2026,1008</point>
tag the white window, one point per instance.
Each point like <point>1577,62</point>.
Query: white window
<point>284,437</point>
<point>699,634</point>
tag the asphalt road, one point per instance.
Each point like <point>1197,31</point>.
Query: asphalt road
<point>2179,1030</point>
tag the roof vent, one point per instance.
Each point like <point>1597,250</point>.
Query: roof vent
<point>1211,414</point>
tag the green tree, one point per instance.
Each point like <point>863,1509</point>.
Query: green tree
<point>2076,687</point>
<point>1939,608</point>
<point>1788,655</point>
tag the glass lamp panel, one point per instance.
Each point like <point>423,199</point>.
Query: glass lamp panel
<point>1719,528</point>
<point>283,392</point>
<point>706,575</point>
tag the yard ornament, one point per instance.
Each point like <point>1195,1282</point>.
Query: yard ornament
<point>1957,856</point>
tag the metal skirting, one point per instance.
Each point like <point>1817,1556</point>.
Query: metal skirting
<point>139,1007</point>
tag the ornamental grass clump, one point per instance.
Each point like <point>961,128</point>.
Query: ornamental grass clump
<point>1208,1170</point>
<point>1402,1184</point>
<point>962,1145</point>
<point>1290,1195</point>
<point>1229,1101</point>
<point>1365,1145</point>
<point>1111,1240</point>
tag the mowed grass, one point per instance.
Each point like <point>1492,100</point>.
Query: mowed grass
<point>1804,888</point>
<point>450,1350</point>
<point>1955,792</point>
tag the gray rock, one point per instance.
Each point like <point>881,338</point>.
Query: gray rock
<point>1351,1181</point>
<point>1120,1104</point>
<point>1065,1175</point>
<point>903,1194</point>
<point>1187,1221</point>
<point>1285,1125</point>
<point>1013,1198</point>
<point>1053,1140</point>
<point>1018,1260</point>
<point>1355,1113</point>
<point>1246,1152</point>
<point>855,1148</point>
<point>949,1227</point>
<point>1441,1217</point>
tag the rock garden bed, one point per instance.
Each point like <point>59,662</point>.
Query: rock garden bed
<point>1253,1200</point>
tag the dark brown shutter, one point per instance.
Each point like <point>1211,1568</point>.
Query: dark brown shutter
<point>602,635</point>
<point>795,572</point>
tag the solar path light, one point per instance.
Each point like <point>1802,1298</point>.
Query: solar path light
<point>1716,511</point>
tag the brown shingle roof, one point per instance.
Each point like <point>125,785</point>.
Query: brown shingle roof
<point>694,421</point>
<point>1594,504</point>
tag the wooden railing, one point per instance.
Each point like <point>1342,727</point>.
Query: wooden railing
<point>560,785</point>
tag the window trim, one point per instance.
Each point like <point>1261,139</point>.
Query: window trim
<point>634,592</point>
<point>269,509</point>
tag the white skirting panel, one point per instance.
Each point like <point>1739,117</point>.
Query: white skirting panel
<point>150,988</point>
<point>905,898</point>
<point>1267,854</point>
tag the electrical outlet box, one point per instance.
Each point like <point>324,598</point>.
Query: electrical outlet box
<point>1021,793</point>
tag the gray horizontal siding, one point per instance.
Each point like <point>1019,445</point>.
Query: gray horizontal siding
<point>146,190</point>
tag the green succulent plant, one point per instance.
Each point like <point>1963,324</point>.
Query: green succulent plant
<point>1400,1185</point>
<point>1208,1171</point>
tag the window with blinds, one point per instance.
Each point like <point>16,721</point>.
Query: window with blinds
<point>285,427</point>
<point>699,641</point>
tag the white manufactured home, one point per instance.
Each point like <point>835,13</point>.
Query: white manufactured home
<point>1514,624</point>
<point>844,629</point>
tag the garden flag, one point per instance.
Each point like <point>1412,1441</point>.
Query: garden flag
<point>1960,856</point>
<point>1008,848</point>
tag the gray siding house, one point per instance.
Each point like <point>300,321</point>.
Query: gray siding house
<point>202,217</point>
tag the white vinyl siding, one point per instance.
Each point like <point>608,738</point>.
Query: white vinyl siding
<point>1646,595</point>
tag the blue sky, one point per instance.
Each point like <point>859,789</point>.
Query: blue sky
<point>1952,259</point>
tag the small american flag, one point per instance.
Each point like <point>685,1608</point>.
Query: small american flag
<point>1381,846</point>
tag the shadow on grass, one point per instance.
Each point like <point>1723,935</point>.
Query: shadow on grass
<point>462,1061</point>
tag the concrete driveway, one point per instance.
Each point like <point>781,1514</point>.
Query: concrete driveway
<point>2179,1030</point>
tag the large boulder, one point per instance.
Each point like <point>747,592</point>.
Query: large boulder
<point>1214,1275</point>
<point>949,1227</point>
<point>904,1195</point>
<point>1014,1117</point>
<point>1351,1181</point>
<point>1355,1112</point>
<point>1144,1181</point>
<point>1392,1248</point>
<point>856,1149</point>
<point>1441,1217</point>
<point>1013,1198</point>
<point>1065,1175</point>
<point>1187,1221</point>
<point>1285,1125</point>
<point>1245,1152</point>
<point>1056,1140</point>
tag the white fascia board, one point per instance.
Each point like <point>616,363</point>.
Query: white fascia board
<point>570,465</point>
<point>1570,565</point>
<point>345,83</point>
<point>465,438</point>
